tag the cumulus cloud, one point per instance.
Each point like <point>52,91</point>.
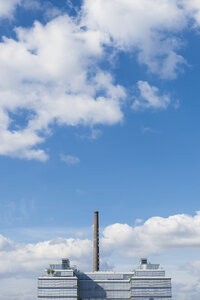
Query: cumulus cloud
<point>69,159</point>
<point>5,244</point>
<point>192,8</point>
<point>154,236</point>
<point>19,258</point>
<point>7,7</point>
<point>150,97</point>
<point>149,27</point>
<point>50,75</point>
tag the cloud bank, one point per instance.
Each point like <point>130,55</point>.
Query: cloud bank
<point>155,236</point>
<point>179,233</point>
<point>18,258</point>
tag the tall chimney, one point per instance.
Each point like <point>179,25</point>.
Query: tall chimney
<point>96,242</point>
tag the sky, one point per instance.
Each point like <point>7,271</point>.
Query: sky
<point>99,110</point>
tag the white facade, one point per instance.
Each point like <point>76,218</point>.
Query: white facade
<point>147,282</point>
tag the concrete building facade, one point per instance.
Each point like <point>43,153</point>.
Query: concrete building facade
<point>63,282</point>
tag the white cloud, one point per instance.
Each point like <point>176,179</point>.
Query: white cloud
<point>92,135</point>
<point>147,129</point>
<point>138,221</point>
<point>150,97</point>
<point>69,159</point>
<point>194,267</point>
<point>187,291</point>
<point>5,244</point>
<point>7,7</point>
<point>192,7</point>
<point>20,258</point>
<point>154,236</point>
<point>50,75</point>
<point>150,27</point>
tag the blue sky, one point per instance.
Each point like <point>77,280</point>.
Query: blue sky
<point>99,110</point>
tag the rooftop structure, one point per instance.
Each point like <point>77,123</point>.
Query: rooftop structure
<point>64,282</point>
